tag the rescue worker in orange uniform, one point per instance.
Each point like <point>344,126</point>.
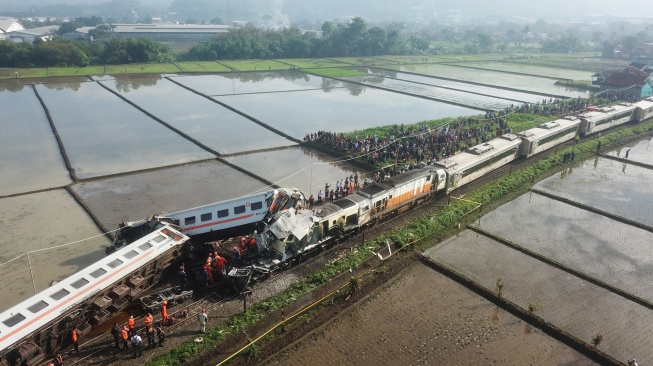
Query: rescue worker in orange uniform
<point>131,323</point>
<point>125,337</point>
<point>242,246</point>
<point>73,336</point>
<point>164,312</point>
<point>147,320</point>
<point>209,260</point>
<point>209,271</point>
<point>219,263</point>
<point>251,243</point>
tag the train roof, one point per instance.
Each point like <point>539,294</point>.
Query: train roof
<point>645,103</point>
<point>19,321</point>
<point>607,111</point>
<point>396,181</point>
<point>231,202</point>
<point>480,153</point>
<point>549,128</point>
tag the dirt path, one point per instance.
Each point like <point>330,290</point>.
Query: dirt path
<point>423,317</point>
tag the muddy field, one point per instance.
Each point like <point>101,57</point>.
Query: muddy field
<point>423,317</point>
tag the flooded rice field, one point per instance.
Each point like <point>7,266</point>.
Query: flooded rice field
<point>576,306</point>
<point>449,84</point>
<point>37,222</point>
<point>30,154</point>
<point>552,72</point>
<point>433,92</point>
<point>609,185</point>
<point>252,82</point>
<point>641,152</point>
<point>423,317</point>
<point>135,196</point>
<point>353,107</point>
<point>523,82</point>
<point>613,252</point>
<point>204,120</point>
<point>104,135</point>
<point>296,168</point>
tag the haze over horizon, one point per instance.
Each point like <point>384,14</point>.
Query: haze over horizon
<point>551,10</point>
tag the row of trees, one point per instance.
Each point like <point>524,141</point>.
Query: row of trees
<point>341,40</point>
<point>65,52</point>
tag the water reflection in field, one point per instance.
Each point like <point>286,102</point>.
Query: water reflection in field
<point>465,87</point>
<point>641,151</point>
<point>251,82</point>
<point>134,197</point>
<point>30,155</point>
<point>39,221</point>
<point>295,167</point>
<point>339,109</point>
<point>621,189</point>
<point>553,72</point>
<point>613,252</point>
<point>206,121</point>
<point>523,82</point>
<point>104,135</point>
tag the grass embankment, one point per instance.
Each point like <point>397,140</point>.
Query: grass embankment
<point>310,63</point>
<point>254,65</point>
<point>334,72</point>
<point>420,233</point>
<point>579,84</point>
<point>202,66</point>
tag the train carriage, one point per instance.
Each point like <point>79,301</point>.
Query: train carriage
<point>478,160</point>
<point>547,135</point>
<point>644,110</point>
<point>606,117</point>
<point>86,298</point>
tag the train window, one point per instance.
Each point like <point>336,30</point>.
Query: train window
<point>256,206</point>
<point>98,272</point>
<point>239,209</point>
<point>114,263</point>
<point>60,294</point>
<point>145,246</point>
<point>80,283</point>
<point>189,221</point>
<point>131,254</point>
<point>223,213</point>
<point>206,216</point>
<point>14,320</point>
<point>428,178</point>
<point>38,307</point>
<point>160,238</point>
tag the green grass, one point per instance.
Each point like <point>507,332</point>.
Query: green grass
<point>202,66</point>
<point>335,72</point>
<point>366,61</point>
<point>141,69</point>
<point>310,63</point>
<point>10,73</point>
<point>75,71</point>
<point>254,65</point>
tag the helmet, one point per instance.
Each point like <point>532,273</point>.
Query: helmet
<point>203,311</point>
<point>235,248</point>
<point>210,254</point>
<point>165,302</point>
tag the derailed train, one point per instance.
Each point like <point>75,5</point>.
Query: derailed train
<point>294,232</point>
<point>40,326</point>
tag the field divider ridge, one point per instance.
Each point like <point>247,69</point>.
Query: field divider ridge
<point>626,161</point>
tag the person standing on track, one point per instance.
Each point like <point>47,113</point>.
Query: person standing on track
<point>136,345</point>
<point>74,337</point>
<point>125,337</point>
<point>115,332</point>
<point>203,319</point>
<point>164,312</point>
<point>160,334</point>
<point>131,323</point>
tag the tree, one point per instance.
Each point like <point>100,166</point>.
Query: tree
<point>485,42</point>
<point>327,28</point>
<point>216,20</point>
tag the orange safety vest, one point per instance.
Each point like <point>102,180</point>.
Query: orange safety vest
<point>164,313</point>
<point>74,335</point>
<point>125,334</point>
<point>131,323</point>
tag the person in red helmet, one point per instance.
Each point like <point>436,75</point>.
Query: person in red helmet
<point>203,318</point>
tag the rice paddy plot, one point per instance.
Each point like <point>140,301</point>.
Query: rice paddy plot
<point>136,196</point>
<point>204,120</point>
<point>309,63</point>
<point>253,82</point>
<point>104,135</point>
<point>436,93</point>
<point>254,65</point>
<point>355,107</point>
<point>38,223</point>
<point>552,72</point>
<point>576,306</point>
<point>423,317</point>
<point>31,159</point>
<point>514,96</point>
<point>500,79</point>
<point>296,168</point>
<point>608,185</point>
<point>598,246</point>
<point>641,152</point>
